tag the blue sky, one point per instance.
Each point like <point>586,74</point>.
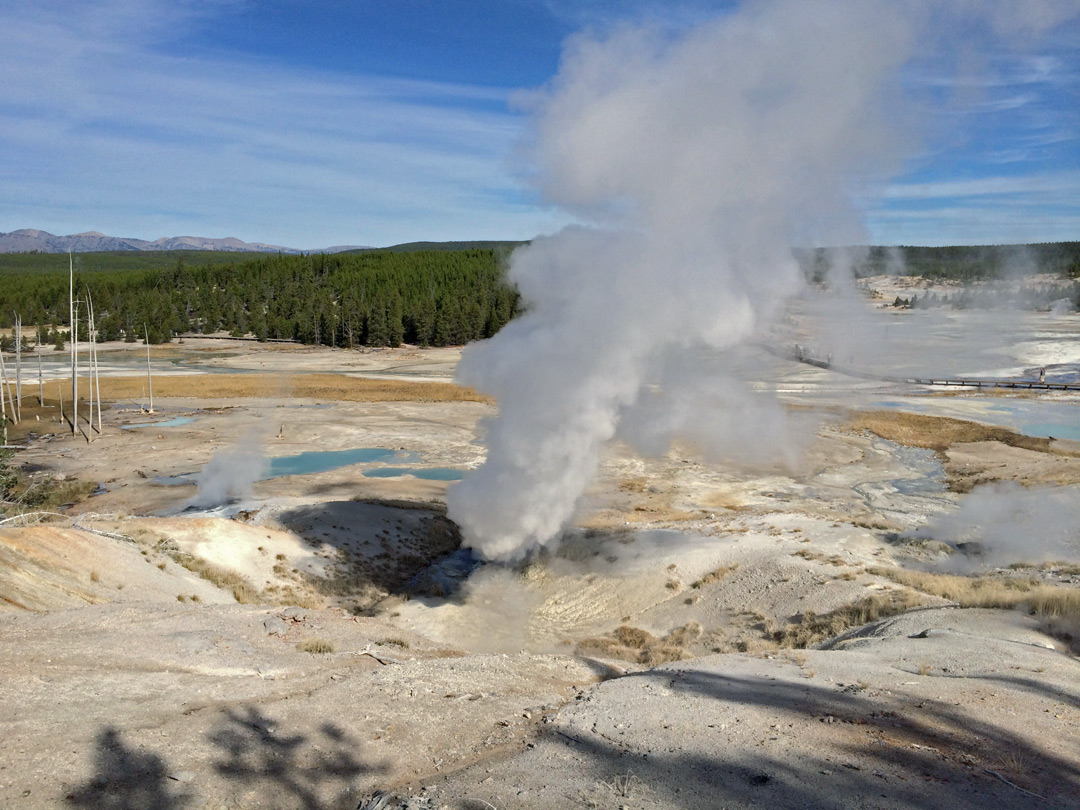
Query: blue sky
<point>326,122</point>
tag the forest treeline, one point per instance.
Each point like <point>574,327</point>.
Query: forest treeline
<point>373,298</point>
<point>962,263</point>
<point>427,294</point>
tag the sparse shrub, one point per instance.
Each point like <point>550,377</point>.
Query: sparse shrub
<point>94,576</point>
<point>661,654</point>
<point>642,647</point>
<point>241,589</point>
<point>812,628</point>
<point>687,634</point>
<point>319,646</point>
<point>715,575</point>
<point>634,637</point>
<point>1046,601</point>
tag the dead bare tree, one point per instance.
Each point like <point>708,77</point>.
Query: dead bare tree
<point>149,379</point>
<point>74,342</point>
<point>18,363</point>
<point>95,385</point>
<point>5,385</point>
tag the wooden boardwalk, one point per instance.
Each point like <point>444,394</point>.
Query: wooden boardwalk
<point>955,382</point>
<point>1036,385</point>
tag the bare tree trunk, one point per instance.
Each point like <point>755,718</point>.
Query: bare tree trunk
<point>74,339</point>
<point>3,381</point>
<point>97,385</point>
<point>93,366</point>
<point>149,379</point>
<point>18,363</point>
<point>40,381</point>
<point>5,385</point>
<point>60,391</point>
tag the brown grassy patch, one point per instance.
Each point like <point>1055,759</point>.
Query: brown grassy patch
<point>1046,601</point>
<point>812,628</point>
<point>241,589</point>
<point>323,386</point>
<point>715,575</point>
<point>642,647</point>
<point>941,432</point>
<point>46,493</point>
<point>319,646</point>
<point>1060,567</point>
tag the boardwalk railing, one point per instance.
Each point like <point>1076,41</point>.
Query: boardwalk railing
<point>799,355</point>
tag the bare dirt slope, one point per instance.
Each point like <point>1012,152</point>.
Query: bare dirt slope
<point>895,722</point>
<point>312,643</point>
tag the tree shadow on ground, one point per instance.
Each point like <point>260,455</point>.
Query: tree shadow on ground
<point>924,755</point>
<point>279,765</point>
<point>127,779</point>
<point>256,759</point>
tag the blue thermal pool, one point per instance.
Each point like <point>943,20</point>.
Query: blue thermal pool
<point>318,461</point>
<point>179,420</point>
<point>427,473</point>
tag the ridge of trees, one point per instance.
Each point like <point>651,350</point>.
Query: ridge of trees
<point>963,263</point>
<point>372,298</point>
<point>502,248</point>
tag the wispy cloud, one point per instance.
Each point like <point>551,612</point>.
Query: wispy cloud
<point>94,111</point>
<point>986,210</point>
<point>1033,186</point>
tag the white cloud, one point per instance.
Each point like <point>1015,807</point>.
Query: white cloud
<point>1065,183</point>
<point>101,130</point>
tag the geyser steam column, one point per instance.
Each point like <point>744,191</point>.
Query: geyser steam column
<point>699,160</point>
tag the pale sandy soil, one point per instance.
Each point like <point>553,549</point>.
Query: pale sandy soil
<point>131,681</point>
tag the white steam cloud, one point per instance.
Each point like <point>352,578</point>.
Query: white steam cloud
<point>696,161</point>
<point>230,473</point>
<point>1006,523</point>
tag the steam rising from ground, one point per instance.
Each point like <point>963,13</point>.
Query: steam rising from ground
<point>1008,523</point>
<point>231,473</point>
<point>697,162</point>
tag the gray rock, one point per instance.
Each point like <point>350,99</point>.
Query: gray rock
<point>276,626</point>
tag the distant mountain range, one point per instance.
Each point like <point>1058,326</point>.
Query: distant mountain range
<point>29,240</point>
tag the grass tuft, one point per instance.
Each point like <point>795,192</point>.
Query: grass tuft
<point>715,575</point>
<point>642,647</point>
<point>318,646</point>
<point>241,589</point>
<point>812,628</point>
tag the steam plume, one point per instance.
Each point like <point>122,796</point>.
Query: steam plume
<point>231,473</point>
<point>1009,523</point>
<point>694,163</point>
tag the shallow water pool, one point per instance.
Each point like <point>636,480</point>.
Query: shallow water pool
<point>427,473</point>
<point>319,461</point>
<point>179,420</point>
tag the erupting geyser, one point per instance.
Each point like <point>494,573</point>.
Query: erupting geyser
<point>696,162</point>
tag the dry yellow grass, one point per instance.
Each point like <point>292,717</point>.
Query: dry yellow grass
<point>241,589</point>
<point>642,647</point>
<point>1046,601</point>
<point>335,387</point>
<point>715,575</point>
<point>319,646</point>
<point>941,432</point>
<point>812,628</point>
